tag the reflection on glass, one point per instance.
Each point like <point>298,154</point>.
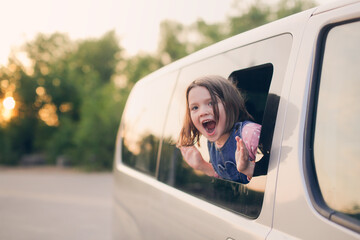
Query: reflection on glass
<point>143,122</point>
<point>233,196</point>
<point>337,132</point>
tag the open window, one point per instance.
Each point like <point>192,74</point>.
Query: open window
<point>254,84</point>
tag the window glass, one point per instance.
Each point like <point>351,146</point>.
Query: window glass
<point>143,122</point>
<point>252,67</point>
<point>337,126</point>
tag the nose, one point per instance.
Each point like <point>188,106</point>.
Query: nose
<point>205,110</point>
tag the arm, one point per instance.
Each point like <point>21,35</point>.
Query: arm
<point>193,157</point>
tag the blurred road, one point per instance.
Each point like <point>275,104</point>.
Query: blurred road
<point>54,203</point>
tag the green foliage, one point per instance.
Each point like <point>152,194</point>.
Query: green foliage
<point>172,44</point>
<point>209,33</point>
<point>66,101</point>
<point>100,56</point>
<point>61,141</point>
<point>138,67</point>
<point>260,13</point>
<point>286,7</point>
<point>177,40</point>
<point>95,135</point>
<point>257,15</point>
<point>16,140</point>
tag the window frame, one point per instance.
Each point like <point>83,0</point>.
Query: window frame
<point>310,174</point>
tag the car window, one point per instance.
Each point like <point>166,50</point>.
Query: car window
<point>143,121</point>
<point>336,128</point>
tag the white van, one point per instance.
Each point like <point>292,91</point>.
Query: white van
<point>300,75</point>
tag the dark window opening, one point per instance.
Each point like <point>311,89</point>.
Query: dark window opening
<point>254,83</point>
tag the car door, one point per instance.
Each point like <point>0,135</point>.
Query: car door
<point>319,158</point>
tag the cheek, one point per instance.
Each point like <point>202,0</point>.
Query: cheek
<point>192,118</point>
<point>222,115</point>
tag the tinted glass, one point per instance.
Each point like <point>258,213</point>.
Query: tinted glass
<point>337,128</point>
<point>143,122</point>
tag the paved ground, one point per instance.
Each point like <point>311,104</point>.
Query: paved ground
<point>54,203</point>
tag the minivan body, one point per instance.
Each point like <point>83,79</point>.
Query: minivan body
<point>299,75</point>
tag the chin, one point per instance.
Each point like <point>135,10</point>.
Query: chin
<point>212,138</point>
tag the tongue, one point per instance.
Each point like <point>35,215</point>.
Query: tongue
<point>210,126</point>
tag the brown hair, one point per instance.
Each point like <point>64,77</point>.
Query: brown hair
<point>220,89</point>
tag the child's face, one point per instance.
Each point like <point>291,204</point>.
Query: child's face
<point>203,118</point>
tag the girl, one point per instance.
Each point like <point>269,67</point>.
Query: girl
<point>216,110</point>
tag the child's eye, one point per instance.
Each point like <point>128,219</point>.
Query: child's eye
<point>210,103</point>
<point>194,108</point>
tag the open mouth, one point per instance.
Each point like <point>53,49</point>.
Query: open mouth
<point>209,126</point>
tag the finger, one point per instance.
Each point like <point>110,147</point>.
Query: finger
<point>243,146</point>
<point>238,143</point>
<point>243,149</point>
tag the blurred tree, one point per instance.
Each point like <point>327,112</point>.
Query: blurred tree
<point>93,67</point>
<point>256,15</point>
<point>52,89</point>
<point>177,40</point>
<point>259,13</point>
<point>66,101</point>
<point>19,134</point>
<point>173,42</point>
<point>287,7</point>
<point>208,33</point>
<point>95,134</point>
<point>138,67</point>
<point>99,55</point>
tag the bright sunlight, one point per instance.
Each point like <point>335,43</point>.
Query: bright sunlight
<point>8,106</point>
<point>9,103</point>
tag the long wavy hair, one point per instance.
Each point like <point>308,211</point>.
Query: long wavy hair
<point>220,89</point>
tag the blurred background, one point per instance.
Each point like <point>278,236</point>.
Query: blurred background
<point>67,67</point>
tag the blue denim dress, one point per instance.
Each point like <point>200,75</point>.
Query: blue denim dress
<point>223,159</point>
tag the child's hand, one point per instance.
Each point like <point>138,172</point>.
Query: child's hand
<point>192,156</point>
<point>241,155</point>
<point>243,164</point>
